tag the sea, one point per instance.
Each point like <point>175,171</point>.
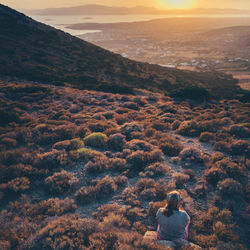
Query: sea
<point>61,22</point>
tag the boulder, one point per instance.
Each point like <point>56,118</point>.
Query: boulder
<point>170,245</point>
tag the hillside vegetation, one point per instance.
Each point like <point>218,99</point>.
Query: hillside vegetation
<point>33,51</point>
<point>82,169</point>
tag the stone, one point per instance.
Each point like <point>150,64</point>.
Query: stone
<point>179,244</point>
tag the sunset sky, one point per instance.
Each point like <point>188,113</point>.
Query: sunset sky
<point>31,4</point>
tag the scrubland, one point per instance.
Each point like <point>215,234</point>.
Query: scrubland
<point>81,169</point>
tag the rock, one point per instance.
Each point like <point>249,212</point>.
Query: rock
<point>170,245</point>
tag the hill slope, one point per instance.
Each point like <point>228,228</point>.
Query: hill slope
<point>37,52</point>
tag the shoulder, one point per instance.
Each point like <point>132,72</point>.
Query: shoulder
<point>184,214</point>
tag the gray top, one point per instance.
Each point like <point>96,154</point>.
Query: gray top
<point>172,227</point>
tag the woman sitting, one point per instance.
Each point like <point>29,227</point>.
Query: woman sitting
<point>173,223</point>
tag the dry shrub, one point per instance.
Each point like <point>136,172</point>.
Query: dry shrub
<point>133,240</point>
<point>105,241</point>
<point>132,215</point>
<point>20,170</point>
<point>4,244</point>
<point>240,130</point>
<point>41,210</point>
<point>148,189</point>
<point>97,165</point>
<point>121,119</point>
<point>9,142</point>
<point>229,187</point>
<point>99,189</point>
<point>107,209</point>
<point>99,126</point>
<point>66,232</point>
<point>131,105</point>
<point>109,115</point>
<point>211,125</point>
<point>10,157</point>
<point>180,178</point>
<point>66,132</point>
<point>61,182</point>
<point>154,207</point>
<point>14,231</point>
<point>222,146</point>
<point>82,131</point>
<point>116,141</point>
<point>213,175</point>
<point>207,137</point>
<point>189,128</point>
<point>51,160</point>
<point>170,146</point>
<point>191,156</point>
<point>45,138</point>
<point>139,145</point>
<point>190,173</point>
<point>155,170</point>
<point>240,147</point>
<point>161,126</point>
<point>138,160</point>
<point>213,226</point>
<point>217,156</point>
<point>75,109</point>
<point>139,227</point>
<point>200,190</point>
<point>85,154</point>
<point>175,124</point>
<point>117,164</point>
<point>149,132</point>
<point>128,128</point>
<point>168,107</point>
<point>62,145</point>
<point>140,101</point>
<point>114,220</point>
<point>68,145</point>
<point>224,168</point>
<point>16,185</point>
<point>121,240</point>
<point>97,140</point>
<point>152,98</point>
<point>155,156</point>
<point>137,135</point>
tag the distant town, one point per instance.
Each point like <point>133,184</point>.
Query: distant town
<point>223,49</point>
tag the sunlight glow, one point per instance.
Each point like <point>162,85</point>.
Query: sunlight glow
<point>177,3</point>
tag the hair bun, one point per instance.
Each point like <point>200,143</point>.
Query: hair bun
<point>174,195</point>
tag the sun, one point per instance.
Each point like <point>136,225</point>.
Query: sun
<point>177,3</point>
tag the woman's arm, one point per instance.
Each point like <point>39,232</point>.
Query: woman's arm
<point>186,228</point>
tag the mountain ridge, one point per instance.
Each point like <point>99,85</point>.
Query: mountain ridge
<point>96,9</point>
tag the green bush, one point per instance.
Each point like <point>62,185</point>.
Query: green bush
<point>97,140</point>
<point>77,143</point>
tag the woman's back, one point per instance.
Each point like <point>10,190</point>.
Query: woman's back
<point>172,227</point>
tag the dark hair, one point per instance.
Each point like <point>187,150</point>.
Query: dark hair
<point>173,202</point>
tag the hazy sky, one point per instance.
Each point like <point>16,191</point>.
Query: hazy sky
<point>31,4</point>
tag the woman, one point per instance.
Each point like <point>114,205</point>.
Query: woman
<point>173,223</point>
